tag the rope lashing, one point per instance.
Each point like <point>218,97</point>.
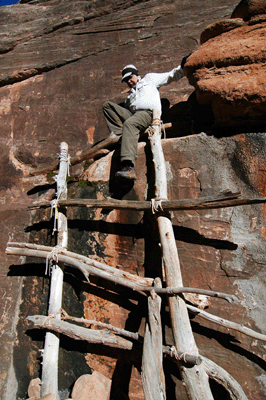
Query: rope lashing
<point>150,131</point>
<point>182,356</point>
<point>64,156</point>
<point>50,317</point>
<point>156,205</point>
<point>52,257</point>
<point>156,122</point>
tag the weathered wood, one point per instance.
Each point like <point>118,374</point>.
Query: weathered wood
<point>91,153</point>
<point>183,289</point>
<point>210,317</point>
<point>225,379</point>
<point>181,357</point>
<point>75,333</point>
<point>226,323</point>
<point>153,380</point>
<point>51,346</point>
<point>84,268</point>
<point>80,333</point>
<point>99,149</point>
<point>169,351</point>
<point>195,378</point>
<point>119,331</point>
<point>222,200</point>
<point>88,266</point>
<point>106,338</point>
<point>87,260</point>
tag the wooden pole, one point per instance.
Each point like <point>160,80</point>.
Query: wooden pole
<point>51,347</point>
<point>194,378</point>
<point>89,266</point>
<point>222,200</point>
<point>153,380</point>
<point>79,333</point>
<point>91,153</point>
<point>99,149</point>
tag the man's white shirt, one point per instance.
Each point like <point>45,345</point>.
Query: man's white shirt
<point>145,95</point>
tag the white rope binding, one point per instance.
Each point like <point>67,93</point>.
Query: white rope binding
<point>182,356</point>
<point>156,205</point>
<point>52,257</point>
<point>63,156</point>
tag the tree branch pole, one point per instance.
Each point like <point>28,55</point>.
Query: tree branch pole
<point>93,336</point>
<point>213,318</point>
<point>79,333</point>
<point>51,347</point>
<point>222,377</point>
<point>78,257</point>
<point>106,338</point>
<point>91,153</point>
<point>29,249</point>
<point>152,374</point>
<point>226,323</point>
<point>88,266</point>
<point>194,378</point>
<point>226,199</point>
<point>99,149</point>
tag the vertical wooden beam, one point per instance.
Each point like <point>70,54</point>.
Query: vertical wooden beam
<point>51,347</point>
<point>153,380</point>
<point>194,378</point>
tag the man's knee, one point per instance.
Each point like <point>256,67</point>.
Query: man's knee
<point>130,126</point>
<point>106,105</point>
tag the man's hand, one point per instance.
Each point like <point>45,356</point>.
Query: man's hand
<point>184,60</point>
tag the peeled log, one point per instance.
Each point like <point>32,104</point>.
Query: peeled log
<point>52,341</point>
<point>195,378</point>
<point>153,380</point>
<point>79,333</point>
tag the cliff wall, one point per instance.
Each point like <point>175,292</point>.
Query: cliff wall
<point>60,60</point>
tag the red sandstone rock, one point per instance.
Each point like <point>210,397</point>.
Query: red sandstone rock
<point>34,389</point>
<point>248,8</point>
<point>59,61</point>
<point>219,27</point>
<point>49,397</point>
<point>228,72</point>
<point>92,387</point>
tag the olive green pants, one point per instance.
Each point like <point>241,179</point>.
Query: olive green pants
<point>123,123</point>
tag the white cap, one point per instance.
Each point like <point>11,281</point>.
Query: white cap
<point>129,70</point>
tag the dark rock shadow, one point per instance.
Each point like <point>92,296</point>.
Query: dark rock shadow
<point>189,235</point>
<point>137,231</point>
<point>229,342</point>
<point>122,373</point>
<point>187,117</point>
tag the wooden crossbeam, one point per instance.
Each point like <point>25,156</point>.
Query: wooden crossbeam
<point>223,200</point>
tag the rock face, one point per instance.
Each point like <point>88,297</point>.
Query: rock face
<point>92,387</point>
<point>247,9</point>
<point>228,69</point>
<point>60,60</point>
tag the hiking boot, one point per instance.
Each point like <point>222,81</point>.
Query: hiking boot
<point>127,172</point>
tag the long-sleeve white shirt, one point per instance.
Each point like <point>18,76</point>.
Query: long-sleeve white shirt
<point>145,95</point>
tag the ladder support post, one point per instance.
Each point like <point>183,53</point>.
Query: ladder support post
<point>52,340</point>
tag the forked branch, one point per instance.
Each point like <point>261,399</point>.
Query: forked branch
<point>88,266</point>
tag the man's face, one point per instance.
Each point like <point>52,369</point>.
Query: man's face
<point>132,80</point>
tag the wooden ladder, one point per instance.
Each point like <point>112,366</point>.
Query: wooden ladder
<point>195,370</point>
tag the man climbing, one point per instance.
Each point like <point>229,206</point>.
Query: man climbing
<point>137,113</point>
